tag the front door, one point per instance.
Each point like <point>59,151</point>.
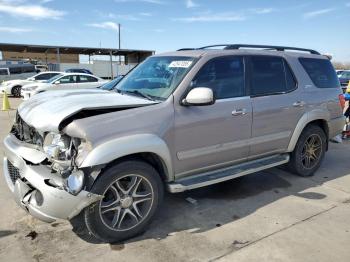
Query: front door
<point>213,136</point>
<point>66,82</point>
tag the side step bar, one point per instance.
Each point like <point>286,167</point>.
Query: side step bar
<point>217,176</point>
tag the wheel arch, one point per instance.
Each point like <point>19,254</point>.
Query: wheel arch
<point>12,88</point>
<point>146,147</point>
<point>316,117</point>
<point>150,158</point>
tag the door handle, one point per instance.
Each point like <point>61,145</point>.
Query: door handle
<point>299,104</point>
<point>239,112</point>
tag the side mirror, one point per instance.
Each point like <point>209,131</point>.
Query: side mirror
<point>199,96</point>
<point>31,79</point>
<point>57,82</point>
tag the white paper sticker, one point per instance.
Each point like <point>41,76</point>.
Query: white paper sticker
<point>183,64</point>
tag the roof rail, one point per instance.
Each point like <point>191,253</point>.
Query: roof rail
<point>266,47</point>
<point>272,47</point>
<point>186,49</point>
<point>210,46</point>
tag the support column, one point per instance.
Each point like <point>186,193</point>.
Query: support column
<point>111,60</point>
<point>58,59</point>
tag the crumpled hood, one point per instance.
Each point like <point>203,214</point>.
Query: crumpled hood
<point>45,111</point>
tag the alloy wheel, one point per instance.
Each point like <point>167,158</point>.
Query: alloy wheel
<point>17,91</point>
<point>312,151</point>
<point>126,203</point>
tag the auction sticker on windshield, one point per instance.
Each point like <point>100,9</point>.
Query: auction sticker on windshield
<point>183,64</point>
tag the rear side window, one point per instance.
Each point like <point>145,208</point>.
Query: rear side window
<point>270,75</point>
<point>87,79</point>
<point>321,72</point>
<point>224,75</point>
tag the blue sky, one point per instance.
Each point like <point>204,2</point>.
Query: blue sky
<point>164,25</point>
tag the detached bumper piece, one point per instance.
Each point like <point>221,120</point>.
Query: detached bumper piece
<point>39,191</point>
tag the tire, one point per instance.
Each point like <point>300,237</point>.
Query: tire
<point>305,160</point>
<point>16,91</point>
<point>120,214</point>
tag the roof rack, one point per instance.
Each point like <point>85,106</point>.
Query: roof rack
<point>265,47</point>
<point>272,47</point>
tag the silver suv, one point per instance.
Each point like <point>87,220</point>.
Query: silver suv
<point>179,121</point>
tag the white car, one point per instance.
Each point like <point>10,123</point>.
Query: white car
<point>14,87</point>
<point>63,81</point>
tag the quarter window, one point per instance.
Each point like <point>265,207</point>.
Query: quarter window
<point>224,75</point>
<point>321,72</point>
<point>270,75</point>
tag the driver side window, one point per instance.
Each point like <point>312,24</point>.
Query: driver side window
<point>224,75</point>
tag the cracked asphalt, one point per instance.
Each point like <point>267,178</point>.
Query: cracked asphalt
<point>268,216</point>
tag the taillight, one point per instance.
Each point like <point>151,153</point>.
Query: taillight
<point>342,101</point>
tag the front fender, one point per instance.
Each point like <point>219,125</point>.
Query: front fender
<point>316,114</point>
<point>141,143</point>
<point>7,89</point>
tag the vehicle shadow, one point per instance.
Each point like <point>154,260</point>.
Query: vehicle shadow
<point>203,209</point>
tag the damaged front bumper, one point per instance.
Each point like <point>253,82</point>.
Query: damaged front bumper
<point>35,188</point>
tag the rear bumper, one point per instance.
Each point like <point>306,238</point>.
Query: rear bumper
<point>336,126</point>
<point>37,190</point>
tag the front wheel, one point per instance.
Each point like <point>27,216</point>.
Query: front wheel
<point>16,91</point>
<point>132,192</point>
<point>309,151</point>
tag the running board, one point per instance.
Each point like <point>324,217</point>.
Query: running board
<point>217,176</point>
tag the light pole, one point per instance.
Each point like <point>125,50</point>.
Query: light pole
<point>119,42</point>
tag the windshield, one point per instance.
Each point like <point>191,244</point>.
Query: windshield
<point>53,79</point>
<point>156,77</point>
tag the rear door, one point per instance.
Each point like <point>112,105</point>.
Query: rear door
<point>213,136</point>
<point>85,81</point>
<point>277,104</point>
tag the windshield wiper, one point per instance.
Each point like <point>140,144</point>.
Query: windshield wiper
<point>138,93</point>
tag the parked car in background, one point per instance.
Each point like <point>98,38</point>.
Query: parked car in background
<point>79,70</point>
<point>41,68</point>
<point>344,78</point>
<point>112,84</point>
<point>179,121</point>
<point>4,72</point>
<point>339,72</point>
<point>63,81</point>
<point>14,87</point>
<point>17,71</point>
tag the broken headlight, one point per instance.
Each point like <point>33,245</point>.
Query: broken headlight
<point>57,146</point>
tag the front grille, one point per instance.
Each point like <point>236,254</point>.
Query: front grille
<point>25,132</point>
<point>13,171</point>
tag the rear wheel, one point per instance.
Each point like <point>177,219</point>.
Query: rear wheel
<point>132,192</point>
<point>309,151</point>
<point>16,91</point>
